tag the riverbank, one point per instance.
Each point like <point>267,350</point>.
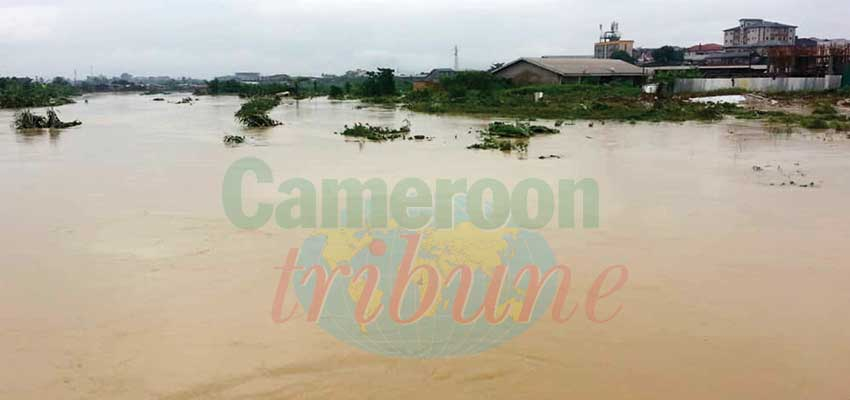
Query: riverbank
<point>826,110</point>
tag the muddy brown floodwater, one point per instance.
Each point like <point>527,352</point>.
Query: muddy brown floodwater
<point>121,277</point>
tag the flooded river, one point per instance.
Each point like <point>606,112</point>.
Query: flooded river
<point>121,276</point>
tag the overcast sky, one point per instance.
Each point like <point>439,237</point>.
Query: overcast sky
<point>309,37</point>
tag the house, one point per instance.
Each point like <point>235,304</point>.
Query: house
<point>697,54</point>
<point>277,78</point>
<point>758,35</point>
<point>357,73</point>
<point>702,49</point>
<point>555,70</point>
<point>432,79</point>
<point>644,56</point>
<point>247,76</point>
<point>734,58</point>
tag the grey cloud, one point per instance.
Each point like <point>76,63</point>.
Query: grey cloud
<point>208,38</point>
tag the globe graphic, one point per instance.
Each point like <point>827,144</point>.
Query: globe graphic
<point>437,334</point>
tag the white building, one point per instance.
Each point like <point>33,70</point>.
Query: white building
<point>758,33</point>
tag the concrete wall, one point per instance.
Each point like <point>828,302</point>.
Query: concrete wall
<point>829,82</point>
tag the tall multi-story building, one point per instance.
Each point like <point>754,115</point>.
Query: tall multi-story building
<point>759,34</point>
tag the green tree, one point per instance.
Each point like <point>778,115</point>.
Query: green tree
<point>379,83</point>
<point>622,55</point>
<point>336,92</point>
<point>483,83</point>
<point>668,55</point>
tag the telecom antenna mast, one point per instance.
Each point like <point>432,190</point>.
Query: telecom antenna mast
<point>457,62</point>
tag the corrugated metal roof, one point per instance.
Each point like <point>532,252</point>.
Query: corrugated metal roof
<point>582,66</point>
<point>706,47</point>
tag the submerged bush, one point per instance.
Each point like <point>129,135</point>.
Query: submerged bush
<point>254,113</point>
<point>518,130</point>
<point>505,145</point>
<point>509,137</point>
<point>375,133</point>
<point>841,126</point>
<point>824,109</point>
<point>815,123</point>
<point>234,139</point>
<point>27,120</point>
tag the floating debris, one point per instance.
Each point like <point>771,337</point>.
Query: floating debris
<point>185,100</point>
<point>27,120</point>
<point>234,139</point>
<point>551,156</point>
<point>158,99</point>
<point>732,99</point>
<point>785,177</point>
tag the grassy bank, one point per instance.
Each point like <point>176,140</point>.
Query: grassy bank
<point>568,102</point>
<point>474,93</point>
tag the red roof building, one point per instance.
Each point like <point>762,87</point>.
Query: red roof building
<point>705,48</point>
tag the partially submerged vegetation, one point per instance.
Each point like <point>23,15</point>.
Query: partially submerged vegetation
<point>27,120</point>
<point>815,121</point>
<point>375,133</point>
<point>510,137</point>
<point>518,130</point>
<point>495,143</point>
<point>254,113</point>
<point>26,93</point>
<point>816,112</point>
